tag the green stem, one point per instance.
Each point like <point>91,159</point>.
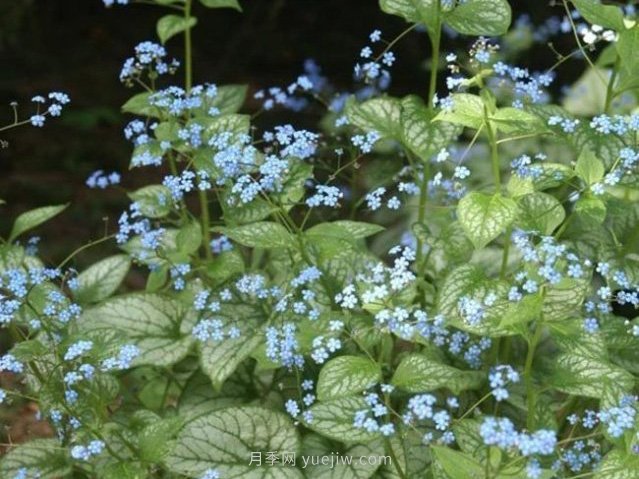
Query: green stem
<point>504,257</point>
<point>494,153</point>
<point>435,40</point>
<point>531,397</point>
<point>488,472</point>
<point>188,84</point>
<point>610,89</point>
<point>82,248</point>
<point>391,453</point>
<point>188,48</point>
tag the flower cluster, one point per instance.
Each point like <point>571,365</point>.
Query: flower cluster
<point>375,71</point>
<point>100,179</point>
<point>501,432</point>
<point>375,417</point>
<point>150,60</point>
<point>499,378</point>
<point>298,409</point>
<point>51,105</point>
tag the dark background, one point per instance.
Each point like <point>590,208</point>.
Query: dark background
<point>78,46</point>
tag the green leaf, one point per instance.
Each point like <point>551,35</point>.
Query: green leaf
<point>157,278</point>
<point>101,279</point>
<point>43,458</point>
<point>224,266</point>
<point>224,440</point>
<point>469,439</point>
<point>467,110</point>
<point>158,325</point>
<point>607,16</point>
<point>344,230</point>
<point>457,464</point>
<point>357,468</point>
<point>455,243</point>
<point>587,96</point>
<point>516,121</point>
<point>419,133</point>
<point>379,114</point>
<point>171,25</point>
<point>263,234</point>
<point>334,419</point>
<point>502,318</point>
<point>480,17</point>
<point>561,300</point>
<point>189,238</point>
<point>627,47</point>
<point>419,373</point>
<point>617,465</point>
<point>154,440</point>
<point>591,209</point>
<point>589,167</point>
<point>293,187</point>
<point>30,219</point>
<point>256,210</point>
<point>155,201</point>
<point>413,11</point>
<point>484,217</point>
<point>199,398</point>
<point>222,4</point>
<point>347,375</point>
<point>583,375</point>
<point>229,98</point>
<point>233,123</point>
<point>606,148</point>
<point>123,470</point>
<point>139,105</point>
<point>219,359</point>
<point>540,212</point>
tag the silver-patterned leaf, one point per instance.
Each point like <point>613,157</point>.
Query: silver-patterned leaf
<point>225,441</point>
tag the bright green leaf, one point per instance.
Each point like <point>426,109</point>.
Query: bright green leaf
<point>456,464</point>
<point>222,4</point>
<point>139,105</point>
<point>263,234</point>
<point>155,201</point>
<point>31,219</point>
<point>540,212</point>
<point>589,167</point>
<point>189,238</point>
<point>480,17</point>
<point>219,359</point>
<point>467,110</point>
<point>419,133</point>
<point>344,229</point>
<point>171,25</point>
<point>607,16</point>
<point>413,11</point>
<point>591,377</point>
<point>347,375</point>
<point>419,373</point>
<point>224,440</point>
<point>43,458</point>
<point>229,98</point>
<point>334,419</point>
<point>159,326</point>
<point>101,279</point>
<point>618,465</point>
<point>484,217</point>
<point>379,114</point>
<point>591,209</point>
